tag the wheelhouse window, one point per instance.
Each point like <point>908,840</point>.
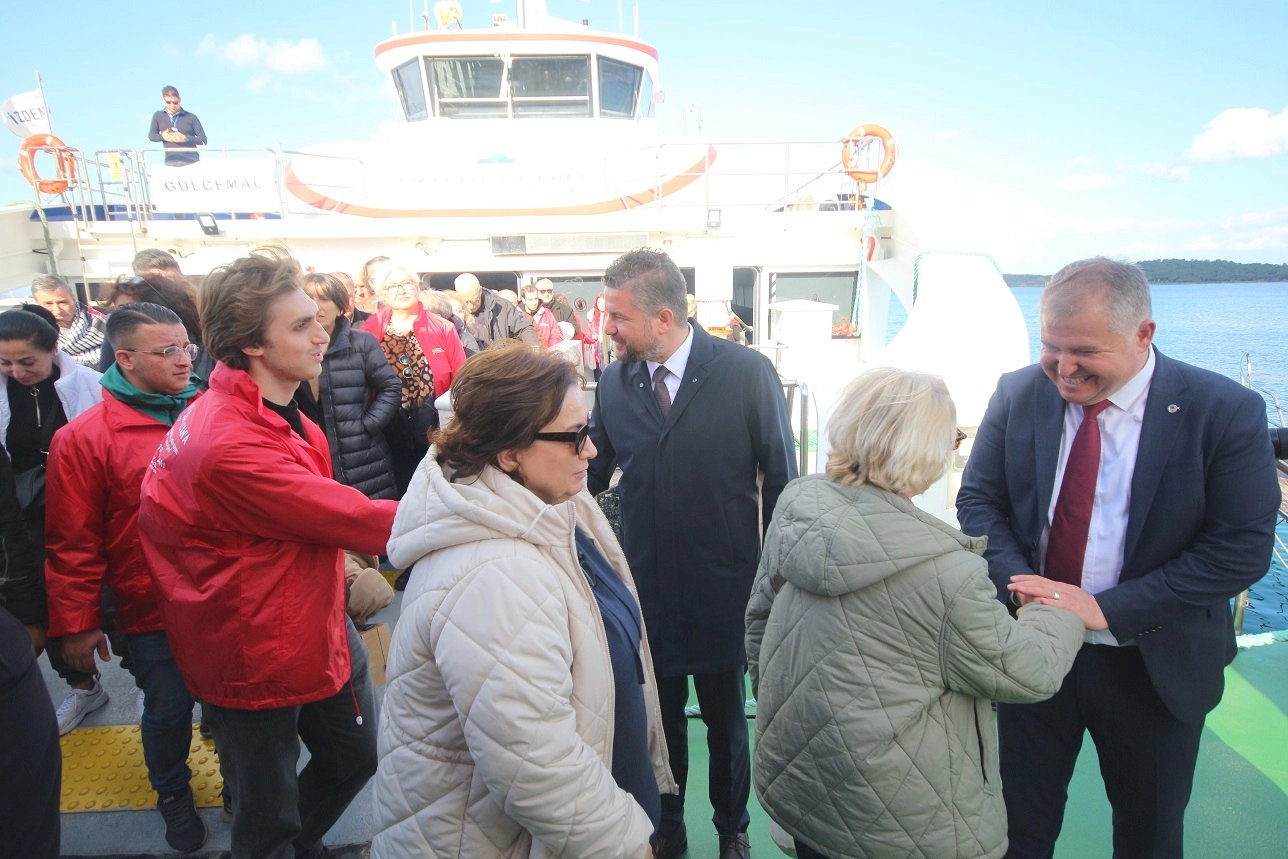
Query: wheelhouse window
<point>550,86</point>
<point>831,287</point>
<point>468,86</point>
<point>619,85</point>
<point>411,90</point>
<point>646,97</point>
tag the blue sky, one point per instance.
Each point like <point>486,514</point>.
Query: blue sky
<point>1037,132</point>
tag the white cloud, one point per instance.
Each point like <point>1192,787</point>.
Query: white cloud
<point>1177,172</point>
<point>1079,161</point>
<point>1090,182</point>
<point>1202,244</point>
<point>1242,132</point>
<point>283,57</point>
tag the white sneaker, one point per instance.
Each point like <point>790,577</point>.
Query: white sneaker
<point>78,704</point>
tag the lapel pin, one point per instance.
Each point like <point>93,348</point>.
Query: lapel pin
<point>1173,409</point>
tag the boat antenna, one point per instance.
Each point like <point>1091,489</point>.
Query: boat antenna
<point>621,28</point>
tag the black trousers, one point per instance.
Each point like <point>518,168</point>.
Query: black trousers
<point>722,698</point>
<point>31,762</point>
<point>277,814</point>
<point>1147,757</point>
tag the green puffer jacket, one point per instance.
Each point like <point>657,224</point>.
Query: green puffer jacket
<point>875,642</point>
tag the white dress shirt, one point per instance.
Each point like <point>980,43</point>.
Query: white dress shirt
<point>675,364</point>
<point>1119,441</point>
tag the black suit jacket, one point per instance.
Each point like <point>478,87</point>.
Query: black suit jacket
<point>1200,525</point>
<point>692,513</point>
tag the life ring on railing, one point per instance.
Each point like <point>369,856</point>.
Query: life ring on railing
<point>62,156</point>
<point>850,156</point>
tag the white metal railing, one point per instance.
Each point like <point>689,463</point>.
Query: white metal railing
<point>765,177</point>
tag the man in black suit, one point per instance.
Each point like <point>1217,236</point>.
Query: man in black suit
<point>1145,518</point>
<point>695,422</point>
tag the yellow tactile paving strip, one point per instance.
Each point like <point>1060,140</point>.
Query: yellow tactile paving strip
<point>103,770</point>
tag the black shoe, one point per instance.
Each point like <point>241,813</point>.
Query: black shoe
<point>735,846</point>
<point>227,813</point>
<point>184,829</point>
<point>204,729</point>
<point>672,845</point>
<point>400,583</point>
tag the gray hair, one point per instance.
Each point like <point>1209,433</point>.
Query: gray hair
<point>653,279</point>
<point>1126,290</point>
<point>52,283</point>
<point>893,429</point>
<point>436,303</point>
<point>150,259</point>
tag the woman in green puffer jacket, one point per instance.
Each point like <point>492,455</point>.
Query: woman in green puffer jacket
<point>876,641</point>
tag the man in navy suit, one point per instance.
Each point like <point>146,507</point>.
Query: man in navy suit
<point>700,428</point>
<point>1178,516</point>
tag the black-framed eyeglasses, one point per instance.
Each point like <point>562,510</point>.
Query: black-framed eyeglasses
<point>170,353</point>
<point>961,437</point>
<point>577,438</point>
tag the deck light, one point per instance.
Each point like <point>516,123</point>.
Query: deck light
<point>208,225</point>
<point>713,219</point>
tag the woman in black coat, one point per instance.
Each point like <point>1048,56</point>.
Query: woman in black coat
<point>356,396</point>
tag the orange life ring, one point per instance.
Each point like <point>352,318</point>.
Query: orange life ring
<point>850,159</point>
<point>872,247</point>
<point>62,157</point>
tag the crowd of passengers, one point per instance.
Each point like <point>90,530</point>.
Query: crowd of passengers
<point>202,483</point>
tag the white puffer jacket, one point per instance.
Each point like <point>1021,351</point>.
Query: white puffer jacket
<point>497,728</point>
<point>77,387</point>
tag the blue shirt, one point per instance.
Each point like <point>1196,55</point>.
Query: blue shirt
<point>631,767</point>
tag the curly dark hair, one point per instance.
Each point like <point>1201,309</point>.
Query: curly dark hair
<point>168,290</point>
<point>502,398</point>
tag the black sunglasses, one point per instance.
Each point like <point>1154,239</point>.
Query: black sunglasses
<point>578,438</point>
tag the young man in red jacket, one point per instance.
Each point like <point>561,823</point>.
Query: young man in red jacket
<point>96,465</point>
<point>243,529</point>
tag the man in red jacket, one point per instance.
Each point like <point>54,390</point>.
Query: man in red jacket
<point>242,527</point>
<point>96,465</point>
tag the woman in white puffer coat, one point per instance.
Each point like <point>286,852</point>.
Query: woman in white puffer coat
<point>520,717</point>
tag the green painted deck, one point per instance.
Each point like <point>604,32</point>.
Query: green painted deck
<point>1239,809</point>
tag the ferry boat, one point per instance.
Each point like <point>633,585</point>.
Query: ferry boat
<point>530,149</point>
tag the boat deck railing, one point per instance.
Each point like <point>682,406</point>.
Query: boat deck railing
<point>121,185</point>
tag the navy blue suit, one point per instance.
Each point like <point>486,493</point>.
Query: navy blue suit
<point>1200,529</point>
<point>693,518</point>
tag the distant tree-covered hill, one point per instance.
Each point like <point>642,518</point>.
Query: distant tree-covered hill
<point>1211,271</point>
<point>1186,271</point>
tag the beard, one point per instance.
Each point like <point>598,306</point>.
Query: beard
<point>649,351</point>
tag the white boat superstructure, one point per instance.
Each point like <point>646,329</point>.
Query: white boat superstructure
<point>529,150</point>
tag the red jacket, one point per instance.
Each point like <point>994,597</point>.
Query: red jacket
<point>96,464</point>
<point>243,528</point>
<point>547,326</point>
<point>438,340</point>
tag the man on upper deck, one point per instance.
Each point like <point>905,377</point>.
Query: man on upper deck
<point>177,129</point>
<point>1143,492</point>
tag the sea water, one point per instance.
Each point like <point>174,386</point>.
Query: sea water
<point>1214,326</point>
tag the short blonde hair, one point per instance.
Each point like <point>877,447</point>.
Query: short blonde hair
<point>892,429</point>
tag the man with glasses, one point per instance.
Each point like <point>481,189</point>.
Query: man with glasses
<point>96,466</point>
<point>494,318</point>
<point>178,130</point>
<point>558,305</point>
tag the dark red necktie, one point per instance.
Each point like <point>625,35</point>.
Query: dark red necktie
<point>1067,542</point>
<point>660,392</point>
